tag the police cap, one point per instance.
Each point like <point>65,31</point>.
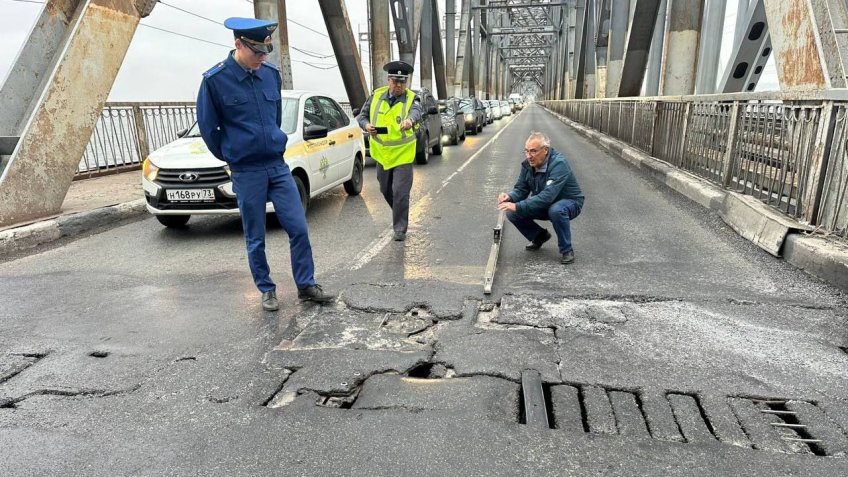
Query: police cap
<point>399,70</point>
<point>253,32</point>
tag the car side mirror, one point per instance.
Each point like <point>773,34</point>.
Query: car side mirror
<point>356,111</point>
<point>314,132</point>
<point>432,110</point>
<point>182,132</point>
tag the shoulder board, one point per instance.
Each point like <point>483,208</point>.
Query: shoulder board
<point>271,65</point>
<point>215,69</point>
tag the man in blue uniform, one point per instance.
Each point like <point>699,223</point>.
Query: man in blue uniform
<point>546,190</point>
<point>239,112</point>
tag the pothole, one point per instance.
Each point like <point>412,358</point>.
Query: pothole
<point>431,371</point>
<point>99,354</point>
<point>487,316</point>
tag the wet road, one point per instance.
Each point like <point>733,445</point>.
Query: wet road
<point>144,350</point>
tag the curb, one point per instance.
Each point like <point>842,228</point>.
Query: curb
<point>778,235</point>
<point>29,236</point>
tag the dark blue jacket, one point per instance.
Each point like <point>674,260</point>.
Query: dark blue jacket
<point>535,191</point>
<point>239,114</point>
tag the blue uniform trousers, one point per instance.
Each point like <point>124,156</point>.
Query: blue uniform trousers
<point>254,188</point>
<point>560,213</point>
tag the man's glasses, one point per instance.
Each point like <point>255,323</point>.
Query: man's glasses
<point>532,152</point>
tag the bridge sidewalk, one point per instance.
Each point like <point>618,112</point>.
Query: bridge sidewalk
<point>90,204</point>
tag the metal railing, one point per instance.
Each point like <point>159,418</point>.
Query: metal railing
<point>789,152</point>
<point>126,133</point>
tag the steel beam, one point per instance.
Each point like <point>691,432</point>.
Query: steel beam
<point>478,55</point>
<point>344,46</point>
<point>654,72</point>
<point>438,55</point>
<point>461,71</point>
<point>681,50</point>
<point>520,5</point>
<point>19,91</point>
<point>407,20</point>
<point>425,68</point>
<point>579,50</point>
<point>749,56</point>
<point>637,46</point>
<point>276,9</point>
<point>601,45</point>
<point>70,97</point>
<point>589,50</point>
<point>804,38</point>
<point>619,14</point>
<point>450,42</point>
<point>712,32</point>
<point>378,26</point>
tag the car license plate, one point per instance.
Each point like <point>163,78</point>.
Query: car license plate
<point>190,195</point>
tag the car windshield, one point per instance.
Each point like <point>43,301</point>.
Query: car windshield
<point>466,106</point>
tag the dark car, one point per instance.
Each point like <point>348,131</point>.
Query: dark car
<point>475,114</point>
<point>453,120</point>
<point>430,129</point>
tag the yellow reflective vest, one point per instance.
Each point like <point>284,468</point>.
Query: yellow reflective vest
<point>397,147</point>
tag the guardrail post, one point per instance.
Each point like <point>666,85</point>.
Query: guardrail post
<point>814,183</point>
<point>140,133</point>
<point>687,111</point>
<point>656,118</point>
<point>730,150</point>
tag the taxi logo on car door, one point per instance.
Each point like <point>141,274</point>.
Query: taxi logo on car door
<point>324,166</point>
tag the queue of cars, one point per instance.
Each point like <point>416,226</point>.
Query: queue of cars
<point>326,149</point>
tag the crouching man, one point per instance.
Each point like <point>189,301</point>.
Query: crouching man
<point>546,190</point>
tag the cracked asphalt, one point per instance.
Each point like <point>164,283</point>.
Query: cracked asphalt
<point>670,347</point>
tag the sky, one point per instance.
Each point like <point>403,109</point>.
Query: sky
<point>162,66</point>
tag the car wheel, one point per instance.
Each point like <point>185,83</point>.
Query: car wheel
<point>173,220</point>
<point>423,156</point>
<point>437,149</point>
<point>354,185</point>
<point>303,191</point>
<point>480,128</point>
<point>455,138</point>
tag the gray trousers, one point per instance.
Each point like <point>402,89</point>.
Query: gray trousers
<point>395,184</point>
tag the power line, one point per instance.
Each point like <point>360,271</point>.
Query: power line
<point>187,36</point>
<point>28,1</point>
<point>300,24</point>
<point>191,13</point>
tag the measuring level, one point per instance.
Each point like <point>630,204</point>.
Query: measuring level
<point>489,276</point>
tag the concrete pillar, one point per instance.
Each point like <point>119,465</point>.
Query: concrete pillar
<point>378,33</point>
<point>477,46</point>
<point>344,46</point>
<point>270,10</point>
<point>681,49</point>
<point>589,49</point>
<point>66,103</point>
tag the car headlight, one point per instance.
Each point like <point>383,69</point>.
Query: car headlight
<point>148,170</point>
<point>469,117</point>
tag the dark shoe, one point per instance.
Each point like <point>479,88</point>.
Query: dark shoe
<point>537,242</point>
<point>269,301</point>
<point>567,257</point>
<point>400,236</point>
<point>315,293</point>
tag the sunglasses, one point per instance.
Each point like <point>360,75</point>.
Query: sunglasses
<point>254,50</point>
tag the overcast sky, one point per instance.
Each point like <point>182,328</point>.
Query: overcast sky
<point>161,66</point>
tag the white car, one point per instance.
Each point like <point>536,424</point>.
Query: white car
<point>325,149</point>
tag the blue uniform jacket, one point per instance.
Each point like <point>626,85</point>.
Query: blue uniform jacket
<point>239,114</point>
<point>535,191</point>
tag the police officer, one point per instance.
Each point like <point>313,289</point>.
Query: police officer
<point>396,109</point>
<point>239,112</point>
